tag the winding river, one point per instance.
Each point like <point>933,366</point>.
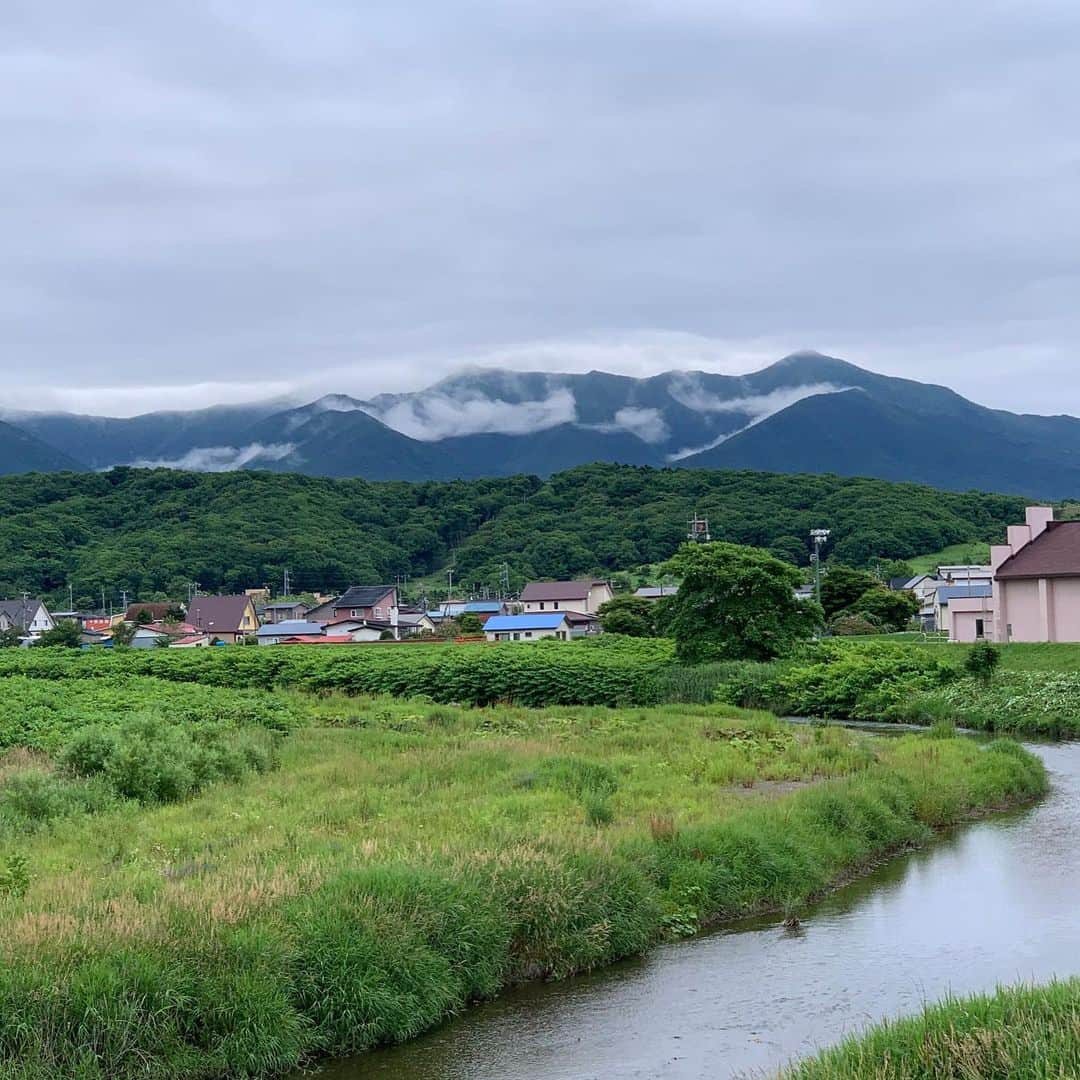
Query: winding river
<point>993,902</point>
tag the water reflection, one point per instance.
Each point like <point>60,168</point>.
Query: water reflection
<point>991,903</point>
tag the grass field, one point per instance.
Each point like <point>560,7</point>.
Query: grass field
<point>975,553</point>
<point>407,858</point>
<point>1016,1034</point>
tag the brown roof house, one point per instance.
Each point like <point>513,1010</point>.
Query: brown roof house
<point>1036,588</point>
<point>582,596</point>
<point>226,618</point>
<point>1037,580</point>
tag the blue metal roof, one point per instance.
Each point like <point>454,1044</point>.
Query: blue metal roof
<point>964,592</point>
<point>289,628</point>
<point>480,606</point>
<point>541,620</point>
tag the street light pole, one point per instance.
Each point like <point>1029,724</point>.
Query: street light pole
<point>818,536</point>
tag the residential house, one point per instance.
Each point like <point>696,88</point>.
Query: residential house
<point>364,629</point>
<point>174,635</point>
<point>283,611</point>
<point>319,639</point>
<point>415,623</point>
<point>959,608</point>
<point>28,616</point>
<point>275,633</point>
<point>148,612</point>
<point>584,596</point>
<point>583,625</point>
<point>227,618</point>
<point>656,592</point>
<point>482,609</point>
<point>379,602</point>
<point>966,575</point>
<point>531,626</point>
<point>924,587</point>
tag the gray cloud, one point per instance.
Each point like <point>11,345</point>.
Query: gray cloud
<point>359,198</point>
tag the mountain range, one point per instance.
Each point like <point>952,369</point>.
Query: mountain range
<point>807,413</point>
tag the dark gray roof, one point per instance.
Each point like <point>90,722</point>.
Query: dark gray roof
<point>221,614</point>
<point>20,612</point>
<point>362,596</point>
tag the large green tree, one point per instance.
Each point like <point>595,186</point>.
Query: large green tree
<point>629,615</point>
<point>891,610</point>
<point>735,603</point>
<point>842,586</point>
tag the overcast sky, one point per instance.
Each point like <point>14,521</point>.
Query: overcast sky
<point>210,201</point>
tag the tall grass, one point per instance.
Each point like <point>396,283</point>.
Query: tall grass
<point>1023,1033</point>
<point>419,858</point>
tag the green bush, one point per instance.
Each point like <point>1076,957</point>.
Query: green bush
<point>152,760</point>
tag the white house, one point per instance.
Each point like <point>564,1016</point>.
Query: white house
<point>532,626</point>
<point>28,616</point>
<point>584,596</point>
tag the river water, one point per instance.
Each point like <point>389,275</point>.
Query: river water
<point>990,903</point>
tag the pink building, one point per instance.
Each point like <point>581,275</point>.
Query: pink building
<point>1036,592</point>
<point>1037,580</point>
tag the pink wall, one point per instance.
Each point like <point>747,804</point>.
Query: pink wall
<point>1066,609</point>
<point>1019,607</point>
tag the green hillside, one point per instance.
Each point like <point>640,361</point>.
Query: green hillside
<point>154,531</point>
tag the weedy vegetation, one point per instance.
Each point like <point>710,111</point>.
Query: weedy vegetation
<point>308,874</point>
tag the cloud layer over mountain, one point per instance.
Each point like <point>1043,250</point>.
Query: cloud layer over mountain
<point>211,202</point>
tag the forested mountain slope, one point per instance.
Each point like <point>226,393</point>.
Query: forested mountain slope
<point>807,413</point>
<point>149,531</point>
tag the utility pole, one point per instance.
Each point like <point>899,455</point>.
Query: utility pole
<point>450,576</point>
<point>285,583</point>
<point>102,599</point>
<point>123,598</point>
<point>818,536</point>
<point>71,597</point>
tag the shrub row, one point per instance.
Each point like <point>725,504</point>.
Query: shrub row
<point>42,712</point>
<point>622,671</point>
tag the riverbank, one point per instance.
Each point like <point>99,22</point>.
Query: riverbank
<point>414,858</point>
<point>1023,1033</point>
<point>1035,691</point>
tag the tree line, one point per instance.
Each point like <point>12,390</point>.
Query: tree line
<point>155,532</point>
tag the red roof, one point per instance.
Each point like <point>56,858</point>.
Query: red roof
<point>1053,553</point>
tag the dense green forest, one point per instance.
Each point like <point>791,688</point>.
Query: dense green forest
<point>149,531</point>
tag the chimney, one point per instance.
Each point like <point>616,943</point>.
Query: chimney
<point>1038,517</point>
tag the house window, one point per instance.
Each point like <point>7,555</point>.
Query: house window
<point>517,637</point>
<point>555,606</point>
<point>528,633</point>
<point>980,628</point>
<point>378,613</point>
<point>353,613</point>
<point>541,605</point>
<point>561,635</point>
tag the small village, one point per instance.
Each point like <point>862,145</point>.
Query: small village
<point>1030,592</point>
